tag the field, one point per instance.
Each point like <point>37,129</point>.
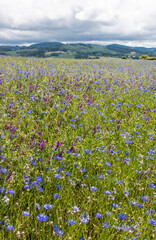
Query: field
<point>77,149</point>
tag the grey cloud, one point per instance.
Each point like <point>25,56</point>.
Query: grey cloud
<point>68,30</point>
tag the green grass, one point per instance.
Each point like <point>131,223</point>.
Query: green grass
<point>93,123</point>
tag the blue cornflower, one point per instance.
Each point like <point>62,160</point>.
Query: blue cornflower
<point>56,196</point>
<point>11,191</point>
<point>58,158</point>
<point>105,225</point>
<point>56,228</point>
<point>78,137</point>
<point>40,189</point>
<point>76,165</point>
<point>122,216</point>
<point>82,169</point>
<point>26,214</point>
<point>119,182</point>
<point>1,189</point>
<point>115,205</point>
<point>98,215</point>
<point>84,218</point>
<point>151,211</point>
<point>60,233</point>
<point>71,222</point>
<point>10,227</point>
<point>67,173</point>
<point>29,112</point>
<point>139,205</point>
<point>126,193</point>
<point>47,206</point>
<point>145,198</point>
<point>3,170</point>
<point>42,218</point>
<point>38,179</point>
<point>109,214</point>
<point>81,238</point>
<point>38,206</point>
<point>87,151</point>
<point>152,221</point>
<point>59,186</point>
<point>151,185</point>
<point>133,203</point>
<point>75,209</point>
<point>128,141</point>
<point>108,164</point>
<point>100,176</point>
<point>92,188</point>
<point>57,176</point>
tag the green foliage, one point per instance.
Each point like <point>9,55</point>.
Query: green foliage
<point>145,57</point>
<point>78,50</point>
<point>123,57</point>
<point>93,123</point>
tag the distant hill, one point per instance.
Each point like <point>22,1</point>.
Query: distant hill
<point>77,50</point>
<point>45,44</point>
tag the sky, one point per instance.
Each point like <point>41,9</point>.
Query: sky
<point>127,22</point>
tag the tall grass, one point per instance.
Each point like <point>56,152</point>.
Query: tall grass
<point>77,149</point>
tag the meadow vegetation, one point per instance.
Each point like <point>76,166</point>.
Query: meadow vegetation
<point>77,149</point>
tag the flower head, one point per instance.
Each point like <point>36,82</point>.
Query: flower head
<point>26,214</point>
<point>10,227</point>
<point>42,218</point>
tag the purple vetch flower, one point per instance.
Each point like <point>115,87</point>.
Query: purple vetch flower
<point>42,218</point>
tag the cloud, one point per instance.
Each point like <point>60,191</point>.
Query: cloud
<point>71,20</point>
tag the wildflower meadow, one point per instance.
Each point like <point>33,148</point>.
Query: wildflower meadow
<point>77,149</point>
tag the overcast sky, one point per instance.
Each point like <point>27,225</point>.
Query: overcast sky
<point>129,22</point>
